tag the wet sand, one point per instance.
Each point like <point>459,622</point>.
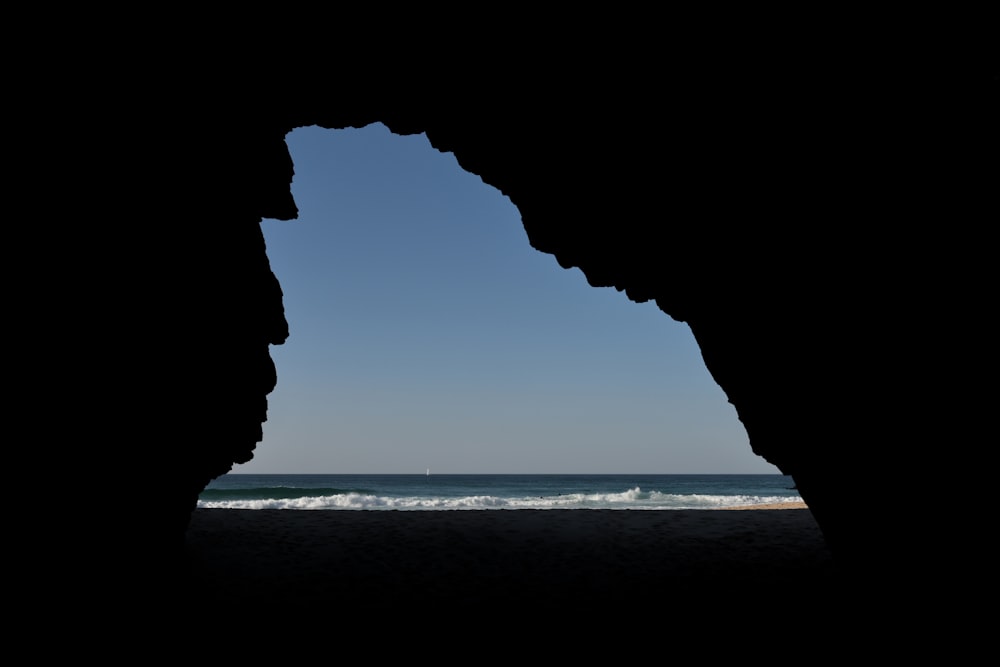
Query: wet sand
<point>544,559</point>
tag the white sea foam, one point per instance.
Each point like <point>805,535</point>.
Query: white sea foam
<point>632,499</point>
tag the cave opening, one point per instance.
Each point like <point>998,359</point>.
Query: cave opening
<point>426,333</point>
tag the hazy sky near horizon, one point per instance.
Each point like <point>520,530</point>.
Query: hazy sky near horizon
<point>426,333</point>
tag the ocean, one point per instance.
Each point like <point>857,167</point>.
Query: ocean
<point>485,492</point>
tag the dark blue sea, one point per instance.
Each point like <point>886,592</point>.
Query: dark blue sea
<point>483,492</point>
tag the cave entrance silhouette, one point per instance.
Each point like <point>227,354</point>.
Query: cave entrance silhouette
<point>377,304</point>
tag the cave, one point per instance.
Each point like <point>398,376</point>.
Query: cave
<point>810,227</point>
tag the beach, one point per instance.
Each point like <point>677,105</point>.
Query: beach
<point>559,584</point>
<point>544,560</point>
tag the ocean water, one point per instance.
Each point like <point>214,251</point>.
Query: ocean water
<point>485,492</point>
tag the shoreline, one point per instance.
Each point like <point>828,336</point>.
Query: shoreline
<point>769,506</point>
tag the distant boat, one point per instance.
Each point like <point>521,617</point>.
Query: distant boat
<point>428,472</point>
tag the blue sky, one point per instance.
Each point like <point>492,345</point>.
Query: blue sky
<point>427,333</point>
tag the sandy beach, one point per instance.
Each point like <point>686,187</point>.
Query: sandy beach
<point>545,560</point>
<point>517,584</point>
